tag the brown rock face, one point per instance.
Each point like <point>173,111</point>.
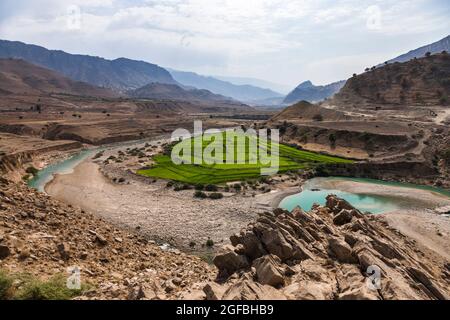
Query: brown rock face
<point>268,270</point>
<point>343,217</point>
<point>332,252</point>
<point>229,262</point>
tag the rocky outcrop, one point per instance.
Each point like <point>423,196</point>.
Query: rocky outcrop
<point>44,237</point>
<point>421,82</point>
<point>332,252</point>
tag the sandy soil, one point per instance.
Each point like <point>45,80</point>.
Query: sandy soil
<point>427,228</point>
<point>162,214</point>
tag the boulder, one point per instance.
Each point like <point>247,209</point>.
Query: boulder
<point>341,250</point>
<point>359,293</point>
<point>275,243</point>
<point>309,290</point>
<point>269,271</point>
<point>141,292</point>
<point>214,291</point>
<point>336,204</point>
<point>229,262</point>
<point>252,246</point>
<point>249,290</point>
<point>343,217</point>
<point>4,252</point>
<point>99,239</point>
<point>64,251</point>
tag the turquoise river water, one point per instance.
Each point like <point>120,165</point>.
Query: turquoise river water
<point>312,193</point>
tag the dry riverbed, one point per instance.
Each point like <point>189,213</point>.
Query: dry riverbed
<point>148,206</point>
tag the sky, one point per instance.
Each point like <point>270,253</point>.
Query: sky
<point>281,41</point>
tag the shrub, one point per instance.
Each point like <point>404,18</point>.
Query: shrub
<point>32,170</point>
<point>209,243</point>
<point>52,289</point>
<point>199,187</point>
<point>211,188</point>
<point>200,195</point>
<point>181,187</point>
<point>446,155</point>
<point>170,184</point>
<point>264,180</point>
<point>216,196</point>
<point>318,117</point>
<point>332,138</point>
<point>237,187</point>
<point>98,155</point>
<point>322,171</point>
<point>6,283</point>
<point>31,288</point>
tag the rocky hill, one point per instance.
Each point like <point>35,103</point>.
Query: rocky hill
<point>120,74</point>
<point>23,78</point>
<point>44,237</point>
<point>174,92</point>
<point>308,92</point>
<point>436,47</point>
<point>305,111</point>
<point>424,81</point>
<point>333,252</point>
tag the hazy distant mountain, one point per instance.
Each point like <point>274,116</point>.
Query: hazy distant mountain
<point>277,87</point>
<point>306,91</point>
<point>120,74</point>
<point>244,93</point>
<point>436,47</point>
<point>276,102</point>
<point>174,92</point>
<point>19,77</point>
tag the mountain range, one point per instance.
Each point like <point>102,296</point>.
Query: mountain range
<point>245,93</point>
<point>139,78</point>
<point>120,74</point>
<point>435,47</point>
<point>161,91</point>
<point>18,77</point>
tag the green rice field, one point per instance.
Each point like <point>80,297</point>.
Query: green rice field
<point>201,169</point>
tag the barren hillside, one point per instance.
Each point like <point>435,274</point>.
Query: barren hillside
<point>424,81</point>
<point>21,77</point>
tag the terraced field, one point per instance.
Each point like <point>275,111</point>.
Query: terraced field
<point>204,170</point>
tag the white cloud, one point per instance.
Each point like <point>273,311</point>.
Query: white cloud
<point>281,40</point>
